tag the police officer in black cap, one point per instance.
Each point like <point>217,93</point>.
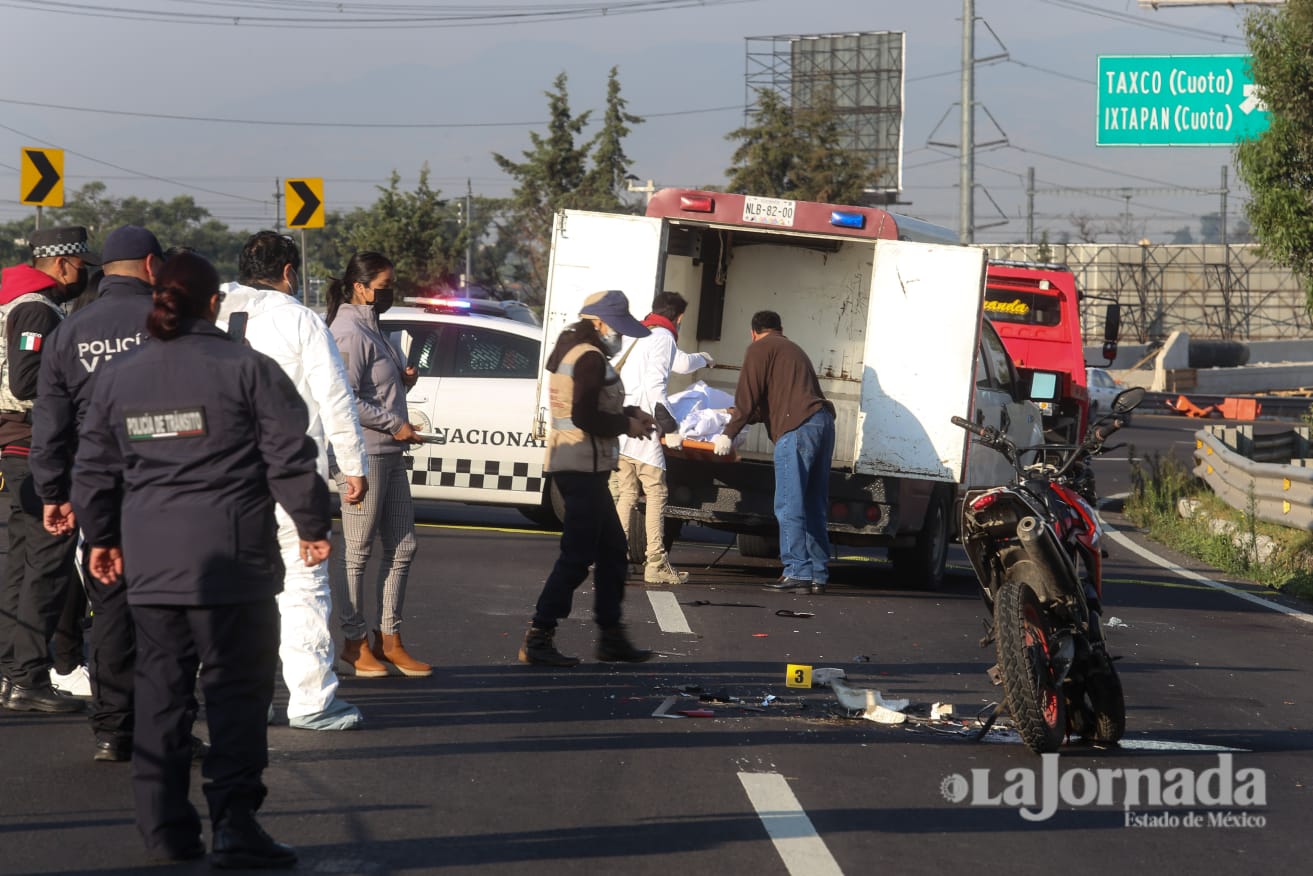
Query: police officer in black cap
<point>114,324</point>
<point>185,447</point>
<point>40,574</point>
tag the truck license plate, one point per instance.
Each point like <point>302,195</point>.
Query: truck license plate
<point>768,211</point>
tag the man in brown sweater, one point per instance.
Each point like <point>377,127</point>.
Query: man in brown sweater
<point>778,387</point>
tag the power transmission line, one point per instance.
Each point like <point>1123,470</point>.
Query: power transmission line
<point>1141,21</point>
<point>359,16</point>
<point>319,124</point>
<point>139,174</point>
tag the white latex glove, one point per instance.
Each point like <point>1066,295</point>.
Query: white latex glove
<point>722,445</point>
<point>711,363</point>
<point>674,440</point>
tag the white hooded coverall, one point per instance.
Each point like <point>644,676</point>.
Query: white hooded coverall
<point>298,340</point>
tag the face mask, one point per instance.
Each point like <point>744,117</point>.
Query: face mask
<point>77,287</point>
<point>610,343</point>
<point>382,300</point>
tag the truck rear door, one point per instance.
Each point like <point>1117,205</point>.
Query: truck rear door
<point>922,332</point>
<point>593,252</point>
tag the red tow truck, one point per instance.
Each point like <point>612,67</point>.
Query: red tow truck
<point>1035,308</point>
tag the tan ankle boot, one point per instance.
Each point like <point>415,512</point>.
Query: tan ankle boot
<point>360,660</point>
<point>388,648</point>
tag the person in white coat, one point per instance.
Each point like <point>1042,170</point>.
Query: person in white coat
<point>645,366</point>
<point>298,340</point>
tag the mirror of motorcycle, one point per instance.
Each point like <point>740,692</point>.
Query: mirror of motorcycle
<point>1128,400</point>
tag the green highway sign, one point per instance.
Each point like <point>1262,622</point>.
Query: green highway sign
<point>1177,100</point>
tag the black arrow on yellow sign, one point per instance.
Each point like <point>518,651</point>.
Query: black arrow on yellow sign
<point>310,203</point>
<point>48,176</point>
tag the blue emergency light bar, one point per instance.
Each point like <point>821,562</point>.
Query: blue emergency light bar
<point>847,219</point>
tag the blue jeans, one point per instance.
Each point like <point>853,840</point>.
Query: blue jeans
<point>802,497</point>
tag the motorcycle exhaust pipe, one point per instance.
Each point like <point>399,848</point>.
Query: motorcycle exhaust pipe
<point>1031,534</point>
<point>1057,564</point>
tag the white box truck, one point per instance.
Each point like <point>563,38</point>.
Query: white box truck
<point>888,307</point>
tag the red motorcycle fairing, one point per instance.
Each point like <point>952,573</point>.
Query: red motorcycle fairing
<point>1088,535</point>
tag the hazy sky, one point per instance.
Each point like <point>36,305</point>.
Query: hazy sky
<point>682,65</point>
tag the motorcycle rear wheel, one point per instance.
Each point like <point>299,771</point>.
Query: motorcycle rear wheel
<point>1025,641</point>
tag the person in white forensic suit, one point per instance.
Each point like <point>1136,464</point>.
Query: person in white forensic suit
<point>645,366</point>
<point>294,336</point>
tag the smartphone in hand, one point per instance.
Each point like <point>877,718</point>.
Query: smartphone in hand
<point>237,326</point>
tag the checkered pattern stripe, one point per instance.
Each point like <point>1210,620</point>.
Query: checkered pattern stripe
<point>52,250</point>
<point>490,474</point>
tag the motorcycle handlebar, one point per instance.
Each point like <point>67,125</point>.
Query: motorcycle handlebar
<point>982,431</point>
<point>1104,431</point>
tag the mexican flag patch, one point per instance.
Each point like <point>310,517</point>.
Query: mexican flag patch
<point>29,341</point>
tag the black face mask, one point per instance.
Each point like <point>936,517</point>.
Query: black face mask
<point>382,300</point>
<point>77,287</point>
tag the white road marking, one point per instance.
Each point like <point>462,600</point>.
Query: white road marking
<point>1008,736</point>
<point>1167,745</point>
<point>1195,576</point>
<point>670,617</point>
<point>801,849</point>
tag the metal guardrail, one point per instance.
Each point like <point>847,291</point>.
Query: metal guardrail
<point>1274,407</point>
<point>1247,472</point>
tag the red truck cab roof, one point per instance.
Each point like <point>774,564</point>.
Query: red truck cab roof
<point>799,217</point>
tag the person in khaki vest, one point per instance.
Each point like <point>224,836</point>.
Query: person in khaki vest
<point>583,448</point>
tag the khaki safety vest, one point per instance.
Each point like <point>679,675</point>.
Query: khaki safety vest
<point>8,402</point>
<point>570,448</point>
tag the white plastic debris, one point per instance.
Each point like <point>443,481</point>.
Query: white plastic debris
<point>663,710</point>
<point>825,675</point>
<point>869,702</point>
<point>1115,622</point>
<point>941,710</point>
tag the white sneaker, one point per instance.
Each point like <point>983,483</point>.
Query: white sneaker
<point>76,683</point>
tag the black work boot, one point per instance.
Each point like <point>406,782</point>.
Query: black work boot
<point>614,646</point>
<point>539,648</point>
<point>41,698</point>
<point>240,844</point>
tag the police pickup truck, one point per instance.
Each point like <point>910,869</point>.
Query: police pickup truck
<point>474,402</point>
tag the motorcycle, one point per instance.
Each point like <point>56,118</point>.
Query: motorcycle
<point>1035,547</point>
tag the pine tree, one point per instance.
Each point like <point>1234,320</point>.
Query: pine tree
<point>827,169</point>
<point>797,154</point>
<point>764,160</point>
<point>605,182</point>
<point>549,179</point>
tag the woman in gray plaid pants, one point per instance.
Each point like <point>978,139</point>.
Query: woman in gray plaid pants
<point>379,378</point>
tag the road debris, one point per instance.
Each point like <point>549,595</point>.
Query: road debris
<point>870,703</point>
<point>826,674</point>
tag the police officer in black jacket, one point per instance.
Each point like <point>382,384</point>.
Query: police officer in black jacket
<point>39,578</point>
<point>185,447</point>
<point>84,343</point>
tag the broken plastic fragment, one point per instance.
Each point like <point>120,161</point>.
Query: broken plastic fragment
<point>825,675</point>
<point>1115,622</point>
<point>869,702</point>
<point>941,710</point>
<point>663,710</point>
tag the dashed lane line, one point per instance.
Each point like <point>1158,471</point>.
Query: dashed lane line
<point>1175,569</point>
<point>800,847</point>
<point>670,617</point>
